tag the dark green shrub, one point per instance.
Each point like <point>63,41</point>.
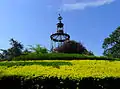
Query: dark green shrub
<point>60,56</point>
<point>19,82</point>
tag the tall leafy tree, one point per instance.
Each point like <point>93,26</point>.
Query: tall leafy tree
<point>111,44</point>
<point>16,48</point>
<point>14,51</point>
<point>4,54</point>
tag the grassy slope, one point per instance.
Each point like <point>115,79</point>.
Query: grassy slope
<point>74,69</point>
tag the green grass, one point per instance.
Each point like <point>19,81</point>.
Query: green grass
<point>74,69</point>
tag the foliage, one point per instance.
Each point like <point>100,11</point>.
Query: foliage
<point>74,69</point>
<point>26,52</point>
<point>111,44</point>
<point>60,56</point>
<point>17,50</point>
<point>38,49</point>
<point>58,74</point>
<point>86,52</point>
<point>20,82</point>
<point>4,54</point>
<point>71,46</point>
<point>14,51</point>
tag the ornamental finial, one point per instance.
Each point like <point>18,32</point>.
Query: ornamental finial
<point>60,18</point>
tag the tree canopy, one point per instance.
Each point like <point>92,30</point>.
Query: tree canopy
<point>111,44</point>
<point>14,51</point>
<point>71,46</point>
<point>38,49</point>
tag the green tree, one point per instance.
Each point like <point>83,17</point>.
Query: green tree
<point>38,49</point>
<point>16,48</point>
<point>14,51</point>
<point>111,44</point>
<point>4,54</point>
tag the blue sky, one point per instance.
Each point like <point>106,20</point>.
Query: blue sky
<point>32,21</point>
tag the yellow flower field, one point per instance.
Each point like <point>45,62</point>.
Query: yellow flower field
<point>74,69</point>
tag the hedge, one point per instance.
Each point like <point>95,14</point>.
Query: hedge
<point>61,56</point>
<point>19,82</point>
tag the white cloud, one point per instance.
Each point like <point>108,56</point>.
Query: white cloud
<point>82,4</point>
